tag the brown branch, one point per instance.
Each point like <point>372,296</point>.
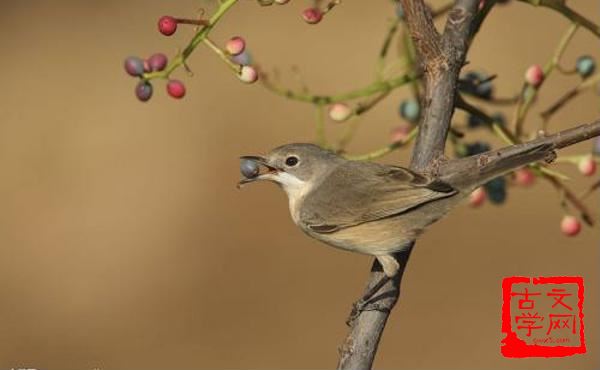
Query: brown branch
<point>441,58</point>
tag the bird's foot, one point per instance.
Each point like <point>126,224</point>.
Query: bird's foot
<point>360,306</point>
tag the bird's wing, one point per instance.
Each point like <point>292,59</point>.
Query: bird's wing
<point>370,192</point>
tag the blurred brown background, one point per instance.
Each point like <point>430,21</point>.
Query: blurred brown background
<point>124,243</point>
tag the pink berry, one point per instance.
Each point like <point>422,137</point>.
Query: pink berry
<point>524,177</point>
<point>400,133</point>
<point>235,45</point>
<point>248,74</point>
<point>167,25</point>
<point>312,15</point>
<point>176,89</point>
<point>534,75</point>
<point>481,4</point>
<point>587,166</point>
<point>477,197</point>
<point>158,61</point>
<point>570,225</point>
<point>339,112</point>
<point>147,67</point>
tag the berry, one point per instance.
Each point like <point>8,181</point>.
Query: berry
<point>249,168</point>
<point>158,61</point>
<point>477,147</point>
<point>147,68</point>
<point>339,112</point>
<point>235,45</point>
<point>312,15</point>
<point>534,75</point>
<point>143,91</point>
<point>474,121</point>
<point>410,110</point>
<point>167,25</point>
<point>399,10</point>
<point>248,74</point>
<point>477,197</point>
<point>176,89</point>
<point>134,66</point>
<point>587,166</point>
<point>400,133</point>
<point>496,190</point>
<point>570,225</point>
<point>524,177</point>
<point>586,65</point>
<point>244,58</point>
<point>499,118</point>
<point>478,84</point>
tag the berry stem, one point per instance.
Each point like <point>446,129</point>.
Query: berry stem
<point>224,57</point>
<point>197,22</point>
<point>529,92</point>
<point>378,153</point>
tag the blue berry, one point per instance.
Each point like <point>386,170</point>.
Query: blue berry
<point>410,110</point>
<point>477,147</point>
<point>399,10</point>
<point>475,83</point>
<point>585,66</point>
<point>596,149</point>
<point>496,190</point>
<point>249,168</point>
<point>134,66</point>
<point>475,121</point>
<point>244,58</point>
<point>499,118</point>
<point>143,90</point>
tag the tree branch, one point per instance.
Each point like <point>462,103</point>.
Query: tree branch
<point>441,58</point>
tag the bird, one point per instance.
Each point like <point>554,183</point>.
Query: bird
<point>361,206</point>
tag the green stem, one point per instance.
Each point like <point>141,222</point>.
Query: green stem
<point>199,37</point>
<point>530,92</point>
<point>378,153</point>
<point>373,88</point>
<point>320,119</point>
<point>234,67</point>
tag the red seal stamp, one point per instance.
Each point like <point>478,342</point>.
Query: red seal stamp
<point>542,316</point>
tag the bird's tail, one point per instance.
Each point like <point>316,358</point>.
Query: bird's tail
<point>469,173</point>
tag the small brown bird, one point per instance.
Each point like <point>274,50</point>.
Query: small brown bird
<point>363,207</point>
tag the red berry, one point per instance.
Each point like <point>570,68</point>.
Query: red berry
<point>248,74</point>
<point>524,177</point>
<point>158,61</point>
<point>312,15</point>
<point>167,25</point>
<point>176,89</point>
<point>587,166</point>
<point>339,112</point>
<point>477,197</point>
<point>235,45</point>
<point>400,133</point>
<point>570,225</point>
<point>534,75</point>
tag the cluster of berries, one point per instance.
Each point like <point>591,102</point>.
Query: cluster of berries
<point>136,67</point>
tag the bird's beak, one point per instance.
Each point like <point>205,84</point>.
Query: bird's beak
<point>268,173</point>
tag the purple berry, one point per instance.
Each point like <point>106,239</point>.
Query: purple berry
<point>249,168</point>
<point>134,66</point>
<point>158,61</point>
<point>143,91</point>
<point>244,58</point>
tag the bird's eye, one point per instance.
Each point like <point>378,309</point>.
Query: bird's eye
<point>291,161</point>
